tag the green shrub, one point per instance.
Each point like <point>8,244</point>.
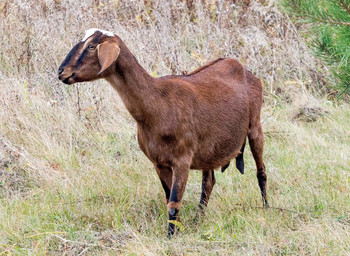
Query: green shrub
<point>330,28</point>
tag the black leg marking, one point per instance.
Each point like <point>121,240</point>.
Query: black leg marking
<point>173,212</point>
<point>262,184</point>
<point>166,190</point>
<point>179,180</point>
<point>173,196</point>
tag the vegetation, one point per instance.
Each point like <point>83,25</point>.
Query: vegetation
<point>74,181</point>
<point>330,25</point>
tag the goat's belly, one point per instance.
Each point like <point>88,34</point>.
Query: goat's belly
<point>204,164</point>
<point>212,155</point>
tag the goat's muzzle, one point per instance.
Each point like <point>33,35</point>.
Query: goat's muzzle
<point>66,78</point>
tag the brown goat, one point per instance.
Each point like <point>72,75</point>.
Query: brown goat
<point>194,121</point>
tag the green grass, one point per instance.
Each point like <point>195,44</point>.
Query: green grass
<point>93,191</point>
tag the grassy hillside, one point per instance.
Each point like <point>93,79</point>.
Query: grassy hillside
<point>73,180</point>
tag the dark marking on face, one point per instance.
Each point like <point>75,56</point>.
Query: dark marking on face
<point>86,51</point>
<point>70,55</point>
<point>75,51</point>
<point>82,57</point>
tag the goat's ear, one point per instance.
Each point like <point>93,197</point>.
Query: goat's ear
<point>108,53</point>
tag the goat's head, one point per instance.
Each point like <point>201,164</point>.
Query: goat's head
<point>91,58</point>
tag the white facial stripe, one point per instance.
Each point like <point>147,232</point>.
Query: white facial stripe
<point>91,31</point>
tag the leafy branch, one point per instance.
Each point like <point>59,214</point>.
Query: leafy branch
<point>330,32</point>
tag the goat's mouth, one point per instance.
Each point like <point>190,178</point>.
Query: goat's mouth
<point>67,80</point>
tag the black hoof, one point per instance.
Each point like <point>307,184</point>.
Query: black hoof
<point>170,233</point>
<point>266,205</point>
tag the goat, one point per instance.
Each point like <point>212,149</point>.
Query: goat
<point>195,121</point>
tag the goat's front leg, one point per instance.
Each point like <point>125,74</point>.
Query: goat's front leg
<point>180,177</point>
<point>165,175</point>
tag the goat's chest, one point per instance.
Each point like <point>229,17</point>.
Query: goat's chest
<point>160,146</point>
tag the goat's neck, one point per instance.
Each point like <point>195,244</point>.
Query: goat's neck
<point>134,85</point>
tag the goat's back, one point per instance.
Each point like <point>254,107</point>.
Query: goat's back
<point>205,113</point>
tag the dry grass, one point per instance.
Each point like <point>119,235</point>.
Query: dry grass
<point>74,182</point>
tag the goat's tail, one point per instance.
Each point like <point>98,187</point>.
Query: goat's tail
<point>239,161</point>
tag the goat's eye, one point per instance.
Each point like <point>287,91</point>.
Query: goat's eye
<point>91,47</point>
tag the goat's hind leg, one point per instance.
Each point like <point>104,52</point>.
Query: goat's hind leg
<point>208,182</point>
<point>256,142</point>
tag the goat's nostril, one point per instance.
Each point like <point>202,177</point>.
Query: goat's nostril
<point>60,71</point>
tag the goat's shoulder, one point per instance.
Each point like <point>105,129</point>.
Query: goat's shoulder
<point>175,87</point>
